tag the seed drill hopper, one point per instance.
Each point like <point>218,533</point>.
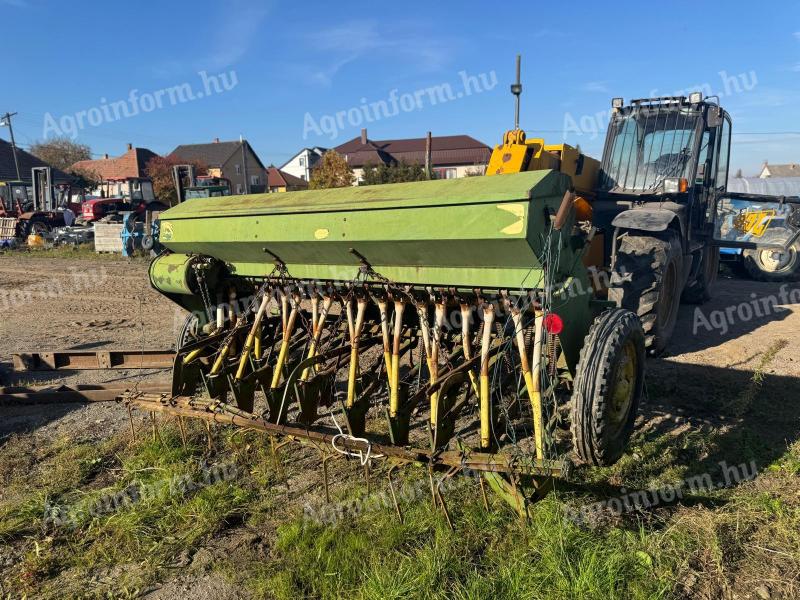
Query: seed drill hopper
<point>450,323</point>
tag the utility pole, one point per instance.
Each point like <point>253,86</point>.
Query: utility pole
<point>244,166</point>
<point>6,120</point>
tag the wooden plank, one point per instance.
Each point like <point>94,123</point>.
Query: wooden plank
<point>92,359</point>
<point>108,237</point>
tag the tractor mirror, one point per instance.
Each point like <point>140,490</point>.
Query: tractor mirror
<point>714,117</point>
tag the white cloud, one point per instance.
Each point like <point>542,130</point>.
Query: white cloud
<point>596,86</point>
<point>231,39</point>
<point>234,35</point>
<point>796,35</point>
<point>353,40</point>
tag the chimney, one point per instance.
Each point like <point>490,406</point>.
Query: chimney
<point>428,144</point>
<point>105,155</point>
<point>216,140</point>
<point>130,146</point>
<point>364,136</point>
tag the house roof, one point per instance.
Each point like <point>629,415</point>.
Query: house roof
<point>787,170</point>
<point>27,161</point>
<point>214,154</point>
<point>278,178</point>
<point>445,150</point>
<point>131,164</point>
<point>318,150</point>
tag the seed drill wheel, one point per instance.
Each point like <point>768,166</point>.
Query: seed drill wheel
<point>189,332</point>
<point>647,279</point>
<point>608,387</point>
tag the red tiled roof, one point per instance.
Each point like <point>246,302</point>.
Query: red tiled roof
<point>278,178</point>
<point>445,150</point>
<point>130,164</point>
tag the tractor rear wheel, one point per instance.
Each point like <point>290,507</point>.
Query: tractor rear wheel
<point>700,290</point>
<point>647,280</point>
<point>608,387</point>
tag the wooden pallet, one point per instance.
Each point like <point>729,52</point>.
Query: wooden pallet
<point>108,237</point>
<point>8,228</point>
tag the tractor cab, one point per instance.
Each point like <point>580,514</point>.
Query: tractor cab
<point>671,150</point>
<point>15,198</point>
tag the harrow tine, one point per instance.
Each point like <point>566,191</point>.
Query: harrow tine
<point>394,398</point>
<point>391,489</point>
<point>485,395</point>
<point>439,315</point>
<point>355,328</point>
<point>466,342</point>
<point>387,351</point>
<point>535,392</point>
<point>288,328</point>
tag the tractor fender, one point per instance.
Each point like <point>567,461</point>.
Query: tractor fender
<point>645,219</point>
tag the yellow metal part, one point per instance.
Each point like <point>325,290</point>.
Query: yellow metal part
<point>532,382</point>
<point>355,327</point>
<point>754,222</point>
<point>287,336</point>
<point>251,337</point>
<point>394,388</point>
<point>519,153</point>
<point>485,396</point>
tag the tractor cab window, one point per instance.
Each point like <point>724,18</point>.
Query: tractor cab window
<point>724,155</point>
<point>646,145</point>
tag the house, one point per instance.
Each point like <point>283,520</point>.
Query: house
<point>452,156</point>
<point>123,176</point>
<point>281,181</point>
<point>236,161</point>
<point>27,161</point>
<point>787,170</point>
<point>300,164</point>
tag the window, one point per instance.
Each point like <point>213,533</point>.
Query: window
<point>724,147</point>
<point>238,169</point>
<point>302,161</point>
<point>445,173</point>
<point>239,187</point>
<point>303,177</point>
<point>255,180</point>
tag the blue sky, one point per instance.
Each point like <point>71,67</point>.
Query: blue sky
<point>291,67</point>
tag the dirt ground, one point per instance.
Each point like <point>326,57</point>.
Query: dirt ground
<point>56,303</point>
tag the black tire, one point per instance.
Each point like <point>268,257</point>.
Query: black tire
<point>647,280</point>
<point>762,265</point>
<point>37,228</point>
<point>702,288</point>
<point>608,387</point>
<point>189,331</point>
<point>148,242</point>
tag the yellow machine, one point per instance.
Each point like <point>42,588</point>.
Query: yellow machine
<point>517,153</point>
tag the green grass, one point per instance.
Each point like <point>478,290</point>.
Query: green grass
<point>76,252</point>
<point>712,541</point>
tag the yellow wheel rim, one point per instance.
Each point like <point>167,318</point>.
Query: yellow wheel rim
<point>624,384</point>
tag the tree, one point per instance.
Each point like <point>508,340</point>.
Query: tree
<point>61,152</point>
<point>393,173</point>
<point>332,171</point>
<point>86,178</point>
<point>159,170</point>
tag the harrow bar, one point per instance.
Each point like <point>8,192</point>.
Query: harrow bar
<point>217,412</point>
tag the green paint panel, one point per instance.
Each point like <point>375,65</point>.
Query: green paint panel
<point>471,232</point>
